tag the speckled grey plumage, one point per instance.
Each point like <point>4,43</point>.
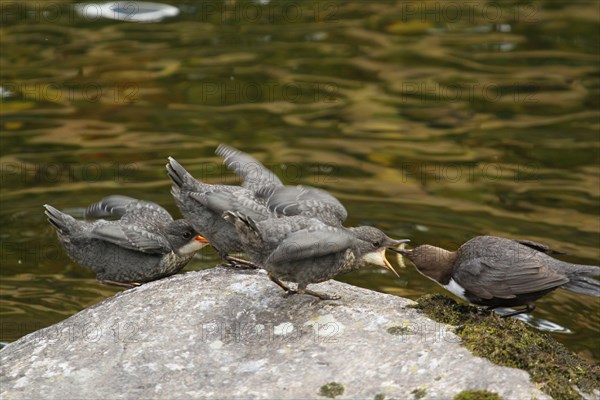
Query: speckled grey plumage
<point>256,177</point>
<point>143,245</point>
<point>307,250</point>
<point>499,272</point>
<point>203,205</point>
<point>283,200</point>
<point>305,201</point>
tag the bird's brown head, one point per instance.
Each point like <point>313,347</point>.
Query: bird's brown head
<point>433,262</point>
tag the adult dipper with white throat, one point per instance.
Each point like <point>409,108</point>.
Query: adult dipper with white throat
<point>496,272</point>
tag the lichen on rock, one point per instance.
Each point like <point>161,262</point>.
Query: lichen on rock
<point>331,390</point>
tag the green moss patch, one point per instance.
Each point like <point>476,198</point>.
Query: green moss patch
<point>477,395</point>
<point>511,343</point>
<point>419,393</point>
<point>331,390</point>
<point>400,330</point>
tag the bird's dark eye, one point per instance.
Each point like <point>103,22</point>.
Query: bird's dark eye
<point>376,244</point>
<point>187,235</point>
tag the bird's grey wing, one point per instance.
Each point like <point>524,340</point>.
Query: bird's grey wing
<point>538,246</point>
<point>239,200</point>
<point>254,174</point>
<point>309,202</point>
<point>146,213</point>
<point>111,206</point>
<point>311,243</point>
<point>506,278</point>
<point>131,211</point>
<point>130,237</point>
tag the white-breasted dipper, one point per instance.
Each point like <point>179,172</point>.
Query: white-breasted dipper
<point>306,250</point>
<point>496,272</point>
<point>144,244</point>
<point>203,205</point>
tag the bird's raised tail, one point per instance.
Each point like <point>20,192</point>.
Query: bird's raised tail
<point>62,222</point>
<point>177,173</point>
<point>249,233</point>
<point>243,223</point>
<point>581,280</point>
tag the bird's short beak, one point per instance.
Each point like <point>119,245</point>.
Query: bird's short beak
<point>397,244</point>
<point>192,246</point>
<point>398,250</point>
<point>201,239</point>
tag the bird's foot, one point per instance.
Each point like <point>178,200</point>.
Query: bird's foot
<point>301,290</point>
<point>321,296</point>
<point>529,308</point>
<point>240,263</point>
<point>127,285</point>
<point>289,293</point>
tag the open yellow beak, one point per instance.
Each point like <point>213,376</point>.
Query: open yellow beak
<point>387,264</point>
<point>378,258</point>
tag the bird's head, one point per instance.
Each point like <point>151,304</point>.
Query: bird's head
<point>183,238</point>
<point>373,244</point>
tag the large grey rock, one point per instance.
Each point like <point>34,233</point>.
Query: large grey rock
<point>228,334</point>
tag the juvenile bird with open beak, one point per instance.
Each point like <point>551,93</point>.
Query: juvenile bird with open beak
<point>306,250</point>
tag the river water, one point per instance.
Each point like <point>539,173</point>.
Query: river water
<point>435,121</point>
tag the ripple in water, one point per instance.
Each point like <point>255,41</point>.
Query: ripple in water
<point>128,11</point>
<point>541,324</point>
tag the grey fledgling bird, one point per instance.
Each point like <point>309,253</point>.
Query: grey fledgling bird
<point>306,250</point>
<point>496,272</point>
<point>282,200</point>
<point>144,244</point>
<point>256,177</point>
<point>203,205</point>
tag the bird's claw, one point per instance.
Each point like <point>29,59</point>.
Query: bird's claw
<point>321,296</point>
<point>235,265</point>
<point>289,293</point>
<point>234,262</point>
<point>127,285</point>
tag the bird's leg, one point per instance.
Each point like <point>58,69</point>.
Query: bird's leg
<point>528,308</point>
<point>240,263</point>
<point>303,290</point>
<point>282,285</point>
<point>127,285</point>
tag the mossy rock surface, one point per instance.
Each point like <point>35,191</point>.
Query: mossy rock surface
<point>477,395</point>
<point>510,342</point>
<point>331,390</point>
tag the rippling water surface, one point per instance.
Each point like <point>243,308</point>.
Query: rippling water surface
<point>436,121</point>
